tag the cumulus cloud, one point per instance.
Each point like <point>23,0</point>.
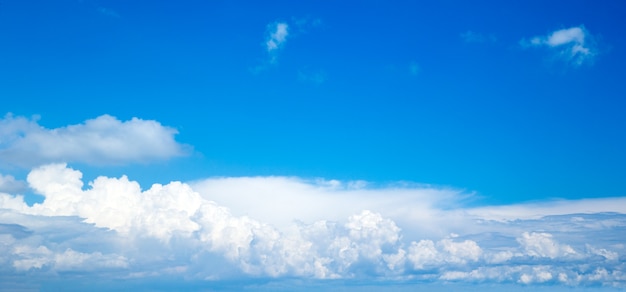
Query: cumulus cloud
<point>575,45</point>
<point>355,231</point>
<point>103,140</point>
<point>541,244</point>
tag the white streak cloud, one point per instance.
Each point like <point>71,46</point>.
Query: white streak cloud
<point>100,141</point>
<point>575,45</point>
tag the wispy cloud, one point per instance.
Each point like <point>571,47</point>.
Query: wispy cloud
<point>575,45</point>
<point>414,68</point>
<point>316,77</point>
<point>108,12</point>
<point>280,227</point>
<point>103,140</point>
<point>277,36</point>
<point>476,37</point>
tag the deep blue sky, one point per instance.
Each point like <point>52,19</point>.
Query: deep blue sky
<point>374,90</point>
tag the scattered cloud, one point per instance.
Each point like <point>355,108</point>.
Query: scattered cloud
<point>276,36</point>
<point>575,45</point>
<point>103,140</point>
<point>108,12</point>
<point>476,37</point>
<point>280,227</point>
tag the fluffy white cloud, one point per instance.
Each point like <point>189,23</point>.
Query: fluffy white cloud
<point>541,244</point>
<point>179,230</point>
<point>103,140</point>
<point>575,44</point>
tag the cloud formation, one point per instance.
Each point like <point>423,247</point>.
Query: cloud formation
<point>116,230</point>
<point>99,141</point>
<point>575,45</point>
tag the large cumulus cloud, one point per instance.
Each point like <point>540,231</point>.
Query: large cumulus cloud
<point>114,229</point>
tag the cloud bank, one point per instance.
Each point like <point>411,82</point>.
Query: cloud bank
<point>100,141</point>
<point>115,230</point>
<point>574,45</point>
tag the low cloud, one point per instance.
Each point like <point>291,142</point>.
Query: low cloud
<point>100,141</point>
<point>290,228</point>
<point>574,45</point>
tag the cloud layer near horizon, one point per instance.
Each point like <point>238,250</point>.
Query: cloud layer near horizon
<point>104,140</point>
<point>114,229</point>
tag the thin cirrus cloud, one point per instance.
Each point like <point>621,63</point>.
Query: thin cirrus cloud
<point>574,45</point>
<point>100,141</point>
<point>238,228</point>
<point>476,37</point>
<point>277,34</point>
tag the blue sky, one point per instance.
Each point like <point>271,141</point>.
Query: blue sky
<point>439,142</point>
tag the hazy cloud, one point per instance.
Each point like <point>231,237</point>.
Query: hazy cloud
<point>476,37</point>
<point>103,140</point>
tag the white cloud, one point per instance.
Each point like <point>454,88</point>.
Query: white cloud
<point>288,227</point>
<point>541,244</point>
<point>103,140</point>
<point>575,45</point>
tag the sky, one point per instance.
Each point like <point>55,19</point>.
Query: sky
<point>307,145</point>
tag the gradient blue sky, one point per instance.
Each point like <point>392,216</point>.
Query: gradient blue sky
<point>504,102</point>
<point>490,116</point>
